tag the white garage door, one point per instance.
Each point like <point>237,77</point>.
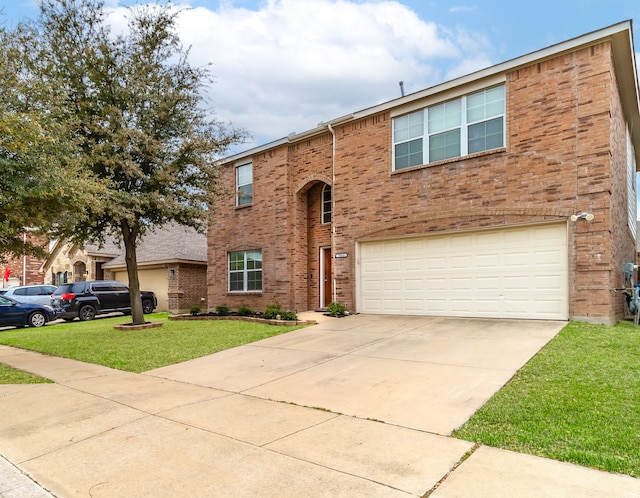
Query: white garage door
<point>507,273</point>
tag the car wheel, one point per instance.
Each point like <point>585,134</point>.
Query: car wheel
<point>147,306</point>
<point>87,313</point>
<point>37,319</point>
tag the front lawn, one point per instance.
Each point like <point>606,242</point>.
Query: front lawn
<point>140,350</point>
<point>578,400</point>
<point>10,375</point>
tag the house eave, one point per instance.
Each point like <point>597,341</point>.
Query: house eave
<point>146,264</point>
<point>620,34</point>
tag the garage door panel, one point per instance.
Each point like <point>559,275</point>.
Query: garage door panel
<point>393,285</point>
<point>413,265</point>
<point>513,272</point>
<point>392,266</point>
<point>516,283</point>
<point>548,258</point>
<point>461,262</point>
<point>489,261</point>
<point>515,259</point>
<point>458,284</point>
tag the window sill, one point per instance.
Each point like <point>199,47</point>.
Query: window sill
<point>244,293</point>
<point>451,160</point>
<point>245,206</point>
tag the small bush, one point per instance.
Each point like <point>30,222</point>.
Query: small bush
<point>289,316</point>
<point>272,311</point>
<point>194,310</point>
<point>245,311</point>
<point>222,310</point>
<point>335,309</point>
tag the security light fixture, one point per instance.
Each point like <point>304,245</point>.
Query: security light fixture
<point>584,214</point>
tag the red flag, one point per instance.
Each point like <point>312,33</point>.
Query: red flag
<point>7,273</point>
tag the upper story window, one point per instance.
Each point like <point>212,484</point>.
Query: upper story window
<point>326,204</point>
<point>466,125</point>
<point>245,271</point>
<point>244,184</point>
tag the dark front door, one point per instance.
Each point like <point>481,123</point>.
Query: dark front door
<point>326,286</point>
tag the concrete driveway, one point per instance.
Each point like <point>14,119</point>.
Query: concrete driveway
<point>429,374</point>
<point>359,406</point>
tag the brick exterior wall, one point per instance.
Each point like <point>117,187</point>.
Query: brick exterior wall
<point>19,276</point>
<point>565,153</point>
<point>25,270</point>
<point>187,288</point>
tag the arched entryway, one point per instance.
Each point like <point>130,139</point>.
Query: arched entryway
<point>315,218</point>
<point>80,271</point>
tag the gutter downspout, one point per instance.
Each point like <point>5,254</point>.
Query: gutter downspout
<point>333,211</point>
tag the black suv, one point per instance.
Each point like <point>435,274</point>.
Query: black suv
<point>85,300</point>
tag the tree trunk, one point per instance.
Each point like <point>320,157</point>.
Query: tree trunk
<point>130,236</point>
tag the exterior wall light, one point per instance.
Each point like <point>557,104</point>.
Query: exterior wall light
<point>584,214</point>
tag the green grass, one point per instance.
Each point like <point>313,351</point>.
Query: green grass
<point>578,400</point>
<point>10,375</point>
<point>141,350</point>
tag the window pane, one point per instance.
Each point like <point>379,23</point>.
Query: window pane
<point>245,195</point>
<point>445,116</point>
<point>254,280</point>
<point>244,174</point>
<point>244,184</point>
<point>444,145</point>
<point>485,104</point>
<point>408,126</point>
<point>236,282</point>
<point>236,261</point>
<point>326,204</point>
<point>254,259</point>
<point>409,154</point>
<point>486,135</point>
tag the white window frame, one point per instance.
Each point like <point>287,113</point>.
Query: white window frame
<point>242,184</point>
<point>326,208</point>
<point>464,126</point>
<point>245,271</point>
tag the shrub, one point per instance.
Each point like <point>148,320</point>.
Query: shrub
<point>245,311</point>
<point>222,310</point>
<point>335,309</point>
<point>288,316</point>
<point>194,310</point>
<point>272,311</point>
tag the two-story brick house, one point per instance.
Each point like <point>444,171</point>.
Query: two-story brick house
<point>456,200</point>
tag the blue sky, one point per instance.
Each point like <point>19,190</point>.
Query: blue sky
<point>283,66</point>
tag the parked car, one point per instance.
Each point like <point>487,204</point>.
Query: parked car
<point>17,314</point>
<point>85,300</point>
<point>40,294</point>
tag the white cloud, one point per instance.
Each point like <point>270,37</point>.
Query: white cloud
<point>463,9</point>
<point>290,65</point>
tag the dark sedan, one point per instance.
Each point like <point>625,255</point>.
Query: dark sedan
<point>13,313</point>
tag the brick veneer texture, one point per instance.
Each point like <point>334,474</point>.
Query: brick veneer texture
<point>565,152</point>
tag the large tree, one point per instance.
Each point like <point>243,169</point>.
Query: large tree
<point>41,183</point>
<point>136,105</point>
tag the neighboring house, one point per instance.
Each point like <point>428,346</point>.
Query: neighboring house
<point>456,200</point>
<point>72,263</point>
<point>24,270</point>
<point>172,262</point>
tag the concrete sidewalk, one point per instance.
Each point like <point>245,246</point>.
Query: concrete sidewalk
<point>359,406</point>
